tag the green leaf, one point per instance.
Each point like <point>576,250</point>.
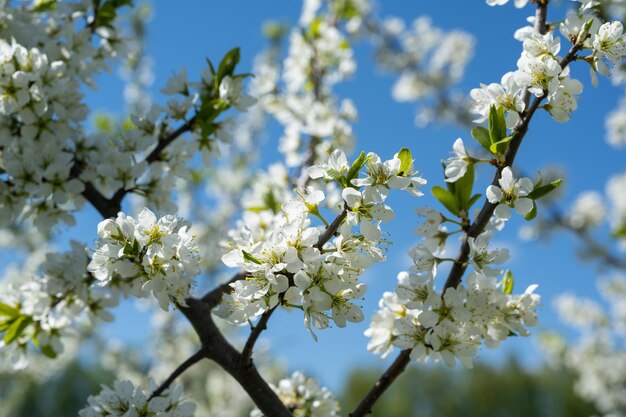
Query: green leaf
<point>447,199</point>
<point>473,201</point>
<point>8,311</point>
<point>48,351</point>
<point>356,166</point>
<point>532,213</point>
<point>508,282</point>
<point>406,162</point>
<point>16,329</point>
<point>542,190</point>
<point>43,6</point>
<point>619,231</point>
<point>497,124</point>
<point>228,64</point>
<point>482,136</point>
<point>500,146</point>
<point>463,188</point>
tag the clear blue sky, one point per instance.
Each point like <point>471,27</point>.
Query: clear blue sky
<point>182,33</point>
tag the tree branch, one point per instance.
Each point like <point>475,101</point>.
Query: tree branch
<point>477,227</point>
<point>246,353</point>
<point>594,247</point>
<point>192,360</point>
<point>397,367</point>
<point>332,228</point>
<point>218,349</point>
<point>109,207</point>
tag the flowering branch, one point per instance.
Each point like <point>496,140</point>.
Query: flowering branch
<point>109,207</point>
<point>478,226</point>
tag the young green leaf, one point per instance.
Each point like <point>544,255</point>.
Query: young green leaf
<point>463,188</point>
<point>532,213</point>
<point>48,351</point>
<point>228,64</point>
<point>447,199</point>
<point>406,162</point>
<point>16,329</point>
<point>497,124</point>
<point>499,147</point>
<point>8,311</point>
<point>482,136</point>
<point>508,282</point>
<point>356,166</point>
<point>543,190</point>
<point>473,201</point>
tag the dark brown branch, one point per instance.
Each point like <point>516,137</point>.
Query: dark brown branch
<point>218,349</point>
<point>246,353</point>
<point>332,228</point>
<point>192,360</point>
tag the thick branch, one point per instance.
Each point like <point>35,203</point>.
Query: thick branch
<point>192,360</point>
<point>218,349</point>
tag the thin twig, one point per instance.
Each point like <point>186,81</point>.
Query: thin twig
<point>246,353</point>
<point>593,246</point>
<point>192,360</point>
<point>397,367</point>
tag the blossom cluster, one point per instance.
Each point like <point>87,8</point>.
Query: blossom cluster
<point>450,326</point>
<point>319,57</point>
<point>540,70</point>
<point>45,59</point>
<point>145,255</point>
<point>47,56</point>
<point>428,60</point>
<point>597,358</point>
<point>44,307</point>
<point>291,263</point>
<point>304,397</point>
<point>125,400</point>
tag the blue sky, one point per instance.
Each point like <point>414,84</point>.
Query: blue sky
<point>183,33</point>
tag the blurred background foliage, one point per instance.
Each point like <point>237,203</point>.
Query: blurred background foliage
<point>507,390</point>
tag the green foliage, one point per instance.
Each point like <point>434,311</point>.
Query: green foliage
<point>508,282</point>
<point>485,391</point>
<point>105,13</point>
<point>494,139</point>
<point>446,198</point>
<point>40,6</point>
<point>406,162</point>
<point>356,166</point>
<point>458,198</point>
<point>64,394</point>
<point>542,190</point>
<point>482,136</point>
